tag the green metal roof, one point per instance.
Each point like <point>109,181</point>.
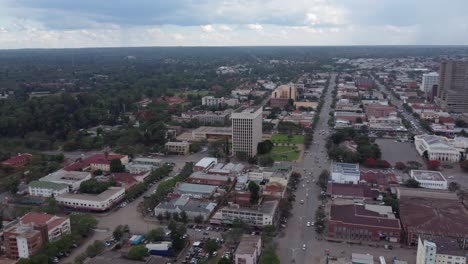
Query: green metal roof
<point>48,185</point>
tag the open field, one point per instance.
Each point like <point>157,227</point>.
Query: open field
<point>282,138</point>
<point>286,153</point>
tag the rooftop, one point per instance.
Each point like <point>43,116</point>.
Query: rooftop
<point>47,185</point>
<point>105,195</point>
<point>202,175</point>
<point>184,203</point>
<point>248,244</point>
<point>351,190</point>
<point>246,110</point>
<point>424,175</point>
<point>66,176</point>
<point>196,188</point>
<point>205,162</point>
<point>346,168</point>
<point>359,215</point>
<point>362,258</point>
<point>209,129</point>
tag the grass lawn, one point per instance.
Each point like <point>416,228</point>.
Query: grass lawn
<point>279,153</point>
<point>282,138</point>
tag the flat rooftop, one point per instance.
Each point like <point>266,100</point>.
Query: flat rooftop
<point>196,188</point>
<point>424,175</point>
<point>65,176</point>
<point>214,130</point>
<point>92,197</point>
<point>246,110</point>
<point>346,168</point>
<point>248,244</point>
<point>358,215</point>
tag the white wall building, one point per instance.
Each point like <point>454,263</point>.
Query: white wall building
<point>71,178</point>
<point>92,202</point>
<point>47,189</point>
<point>441,148</point>
<point>246,130</point>
<point>345,173</point>
<point>430,179</point>
<point>439,253</point>
<point>181,148</point>
<point>428,81</point>
<point>249,250</point>
<point>265,214</point>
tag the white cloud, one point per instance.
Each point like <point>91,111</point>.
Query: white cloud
<point>311,18</point>
<point>256,27</point>
<point>178,37</point>
<point>207,28</point>
<point>225,28</point>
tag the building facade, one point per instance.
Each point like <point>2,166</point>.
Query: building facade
<point>249,250</point>
<point>441,148</point>
<point>91,202</point>
<point>246,130</point>
<point>180,148</point>
<point>452,92</point>
<point>345,173</point>
<point>265,214</point>
<point>56,226</point>
<point>23,241</point>
<point>47,189</point>
<point>427,253</point>
<point>430,179</point>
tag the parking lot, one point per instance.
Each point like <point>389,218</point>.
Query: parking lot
<point>394,151</point>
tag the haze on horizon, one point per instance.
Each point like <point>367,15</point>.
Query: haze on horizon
<point>105,23</point>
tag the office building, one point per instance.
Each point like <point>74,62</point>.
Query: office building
<point>264,214</point>
<point>345,173</point>
<point>56,226</point>
<point>430,179</point>
<point>192,207</point>
<point>71,178</point>
<point>92,202</point>
<point>441,148</point>
<point>439,251</point>
<point>47,189</point>
<point>23,241</point>
<point>179,148</point>
<point>249,250</point>
<point>282,94</point>
<point>428,82</point>
<point>246,130</point>
<point>452,91</point>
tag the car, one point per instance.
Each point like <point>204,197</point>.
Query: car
<point>303,185</point>
<point>304,247</point>
<point>308,224</point>
<point>302,201</point>
<point>312,223</point>
<point>450,177</point>
<point>206,234</point>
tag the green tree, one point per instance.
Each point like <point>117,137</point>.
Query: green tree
<point>454,186</point>
<point>82,224</point>
<point>183,217</point>
<point>95,249</point>
<point>155,234</point>
<point>254,190</point>
<point>160,217</point>
<point>242,155</point>
<point>116,166</point>
<point>198,219</point>
<point>118,232</point>
<point>211,246</point>
<point>138,253</point>
<point>412,183</point>
<point>167,215</point>
<point>323,179</point>
<point>269,256</point>
<point>175,216</point>
<point>266,161</point>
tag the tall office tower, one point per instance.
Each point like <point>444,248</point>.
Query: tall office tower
<point>246,130</point>
<point>452,93</point>
<point>428,81</point>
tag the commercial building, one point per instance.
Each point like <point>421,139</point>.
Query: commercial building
<point>249,250</point>
<point>441,148</point>
<point>195,190</point>
<point>362,258</point>
<point>208,117</point>
<point>97,162</point>
<point>199,177</point>
<point>23,241</point>
<point>205,164</point>
<point>246,130</point>
<point>432,214</point>
<point>428,81</point>
<point>213,133</point>
<point>92,202</point>
<point>18,161</point>
<point>264,214</point>
<point>56,226</point>
<point>179,148</point>
<point>191,207</point>
<point>378,111</point>
<point>452,92</point>
<point>282,94</point>
<point>47,189</point>
<point>443,251</point>
<point>345,173</point>
<point>363,223</point>
<point>147,161</point>
<point>351,191</point>
<point>71,178</point>
<point>430,179</point>
<point>218,102</point>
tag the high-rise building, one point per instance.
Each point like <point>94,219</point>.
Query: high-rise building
<point>452,92</point>
<point>246,130</point>
<point>428,82</point>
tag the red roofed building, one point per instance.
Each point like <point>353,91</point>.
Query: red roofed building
<point>382,180</point>
<point>274,190</point>
<point>18,161</point>
<point>351,191</point>
<point>378,111</point>
<point>363,223</point>
<point>419,108</point>
<point>126,179</point>
<point>97,162</point>
<point>171,100</point>
<point>56,226</point>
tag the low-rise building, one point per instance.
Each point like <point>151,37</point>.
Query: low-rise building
<point>345,173</point>
<point>192,207</point>
<point>363,223</point>
<point>441,148</point>
<point>211,133</point>
<point>47,189</point>
<point>351,191</point>
<point>23,241</point>
<point>147,161</point>
<point>443,251</point>
<point>199,177</point>
<point>264,214</point>
<point>92,202</point>
<point>56,226</point>
<point>71,178</point>
<point>100,161</point>
<point>249,250</point>
<point>362,258</point>
<point>180,148</point>
<point>195,190</point>
<point>18,161</point>
<point>205,164</point>
<point>217,102</point>
<point>430,179</point>
<point>208,117</point>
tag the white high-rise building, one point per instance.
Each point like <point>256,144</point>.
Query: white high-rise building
<point>428,81</point>
<point>445,251</point>
<point>246,130</point>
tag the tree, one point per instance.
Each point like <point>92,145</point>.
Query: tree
<point>118,232</point>
<point>138,252</point>
<point>461,123</point>
<point>93,186</point>
<point>95,249</point>
<point>198,219</point>
<point>412,183</point>
<point>242,155</point>
<point>155,234</point>
<point>454,186</point>
<point>175,216</point>
<point>183,217</point>
<point>116,166</point>
<point>413,165</point>
<point>224,260</point>
<point>82,224</point>
<point>160,217</point>
<point>358,120</point>
<point>269,256</point>
<point>264,147</point>
<point>51,206</point>
<point>167,215</point>
<point>254,190</point>
<point>400,165</point>
<point>433,164</point>
<point>211,246</point>
<point>323,179</point>
<point>266,161</point>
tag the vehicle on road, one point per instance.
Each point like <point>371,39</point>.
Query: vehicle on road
<point>304,247</point>
<point>302,201</point>
<point>308,224</point>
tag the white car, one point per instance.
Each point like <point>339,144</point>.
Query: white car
<point>302,201</point>
<point>304,247</point>
<point>308,224</point>
<point>303,185</point>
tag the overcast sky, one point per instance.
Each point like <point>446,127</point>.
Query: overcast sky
<point>115,23</point>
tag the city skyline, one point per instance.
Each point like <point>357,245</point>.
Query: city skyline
<point>75,24</point>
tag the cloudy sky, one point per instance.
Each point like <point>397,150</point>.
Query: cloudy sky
<point>114,23</point>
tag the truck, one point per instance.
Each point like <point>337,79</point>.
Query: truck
<point>136,239</point>
<point>160,249</point>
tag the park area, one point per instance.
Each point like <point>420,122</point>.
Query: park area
<point>285,153</point>
<point>283,139</point>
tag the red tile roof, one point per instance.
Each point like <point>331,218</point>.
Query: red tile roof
<point>358,215</point>
<point>351,190</point>
<point>379,177</point>
<point>95,159</point>
<point>19,160</point>
<point>38,218</point>
<point>55,223</point>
